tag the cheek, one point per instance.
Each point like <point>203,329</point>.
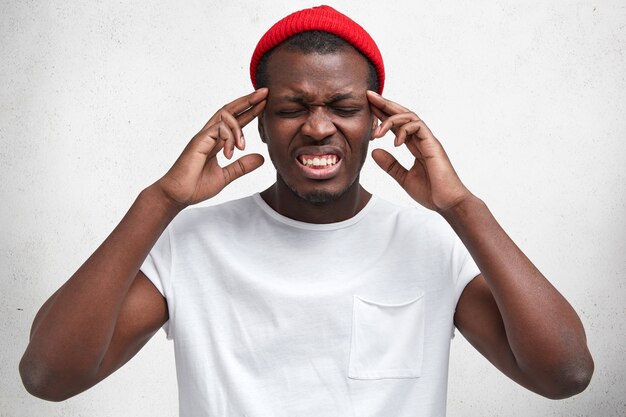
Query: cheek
<point>279,129</point>
<point>360,134</point>
<point>278,136</point>
<point>365,137</point>
<point>363,150</point>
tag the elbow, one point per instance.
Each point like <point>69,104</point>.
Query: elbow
<point>41,391</point>
<point>36,383</point>
<point>571,380</point>
<point>42,382</point>
<point>575,382</point>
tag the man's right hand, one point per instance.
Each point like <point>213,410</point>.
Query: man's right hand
<point>196,175</point>
<point>109,309</point>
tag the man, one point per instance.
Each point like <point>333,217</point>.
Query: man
<point>313,297</point>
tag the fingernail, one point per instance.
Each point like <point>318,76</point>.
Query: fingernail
<point>243,141</point>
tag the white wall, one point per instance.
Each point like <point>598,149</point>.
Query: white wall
<point>97,99</point>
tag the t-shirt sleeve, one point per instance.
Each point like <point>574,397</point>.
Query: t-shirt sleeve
<point>463,267</point>
<point>158,267</point>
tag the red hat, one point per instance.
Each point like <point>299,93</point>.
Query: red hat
<point>326,19</point>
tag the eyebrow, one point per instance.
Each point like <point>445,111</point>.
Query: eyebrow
<point>301,99</point>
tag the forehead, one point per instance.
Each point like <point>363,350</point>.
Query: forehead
<point>317,75</point>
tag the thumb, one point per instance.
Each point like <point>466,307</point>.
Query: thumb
<point>390,164</point>
<point>241,166</point>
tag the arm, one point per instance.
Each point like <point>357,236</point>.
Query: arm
<point>108,309</point>
<point>510,312</point>
<point>513,315</point>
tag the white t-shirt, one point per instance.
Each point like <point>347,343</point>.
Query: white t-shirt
<point>273,317</point>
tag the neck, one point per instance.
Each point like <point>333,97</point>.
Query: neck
<point>284,201</point>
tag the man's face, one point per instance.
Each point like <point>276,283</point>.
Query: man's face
<point>317,122</point>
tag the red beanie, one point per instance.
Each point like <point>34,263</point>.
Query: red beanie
<point>326,19</point>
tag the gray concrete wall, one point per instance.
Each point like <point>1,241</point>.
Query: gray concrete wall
<point>97,99</point>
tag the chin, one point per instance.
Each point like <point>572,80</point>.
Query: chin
<point>317,196</point>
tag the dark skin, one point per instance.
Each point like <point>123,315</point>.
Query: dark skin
<point>310,112</point>
<point>510,312</point>
<point>109,309</point>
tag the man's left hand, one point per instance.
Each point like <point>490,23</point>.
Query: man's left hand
<point>431,181</point>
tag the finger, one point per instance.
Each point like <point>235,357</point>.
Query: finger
<point>408,129</point>
<point>206,144</point>
<point>242,104</point>
<point>239,105</point>
<point>418,130</point>
<point>386,106</point>
<point>250,114</point>
<point>394,123</point>
<point>414,149</point>
<point>424,145</point>
<point>390,164</point>
<point>227,138</point>
<point>221,135</point>
<point>202,143</point>
<point>236,123</point>
<point>235,128</point>
<point>241,166</point>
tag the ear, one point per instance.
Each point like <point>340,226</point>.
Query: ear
<point>261,127</point>
<point>374,124</point>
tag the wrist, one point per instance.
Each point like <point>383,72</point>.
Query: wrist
<point>155,197</point>
<point>462,209</point>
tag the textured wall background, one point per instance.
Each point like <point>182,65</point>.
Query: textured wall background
<point>97,99</point>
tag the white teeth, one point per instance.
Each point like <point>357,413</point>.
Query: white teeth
<point>318,161</point>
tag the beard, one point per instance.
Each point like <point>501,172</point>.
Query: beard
<point>317,197</point>
<point>321,197</point>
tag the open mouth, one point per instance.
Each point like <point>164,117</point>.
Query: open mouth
<point>318,161</point>
<point>321,166</point>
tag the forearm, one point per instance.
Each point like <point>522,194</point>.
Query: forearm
<point>72,331</point>
<point>543,331</point>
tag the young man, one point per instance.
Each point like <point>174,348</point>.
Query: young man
<point>313,297</point>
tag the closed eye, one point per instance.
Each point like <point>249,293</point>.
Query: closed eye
<point>346,111</point>
<point>290,113</point>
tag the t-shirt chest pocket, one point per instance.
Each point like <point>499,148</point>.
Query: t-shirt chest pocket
<point>387,339</point>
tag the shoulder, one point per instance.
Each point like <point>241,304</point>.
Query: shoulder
<point>415,219</point>
<point>223,215</point>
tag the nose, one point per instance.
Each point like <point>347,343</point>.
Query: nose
<point>319,124</point>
